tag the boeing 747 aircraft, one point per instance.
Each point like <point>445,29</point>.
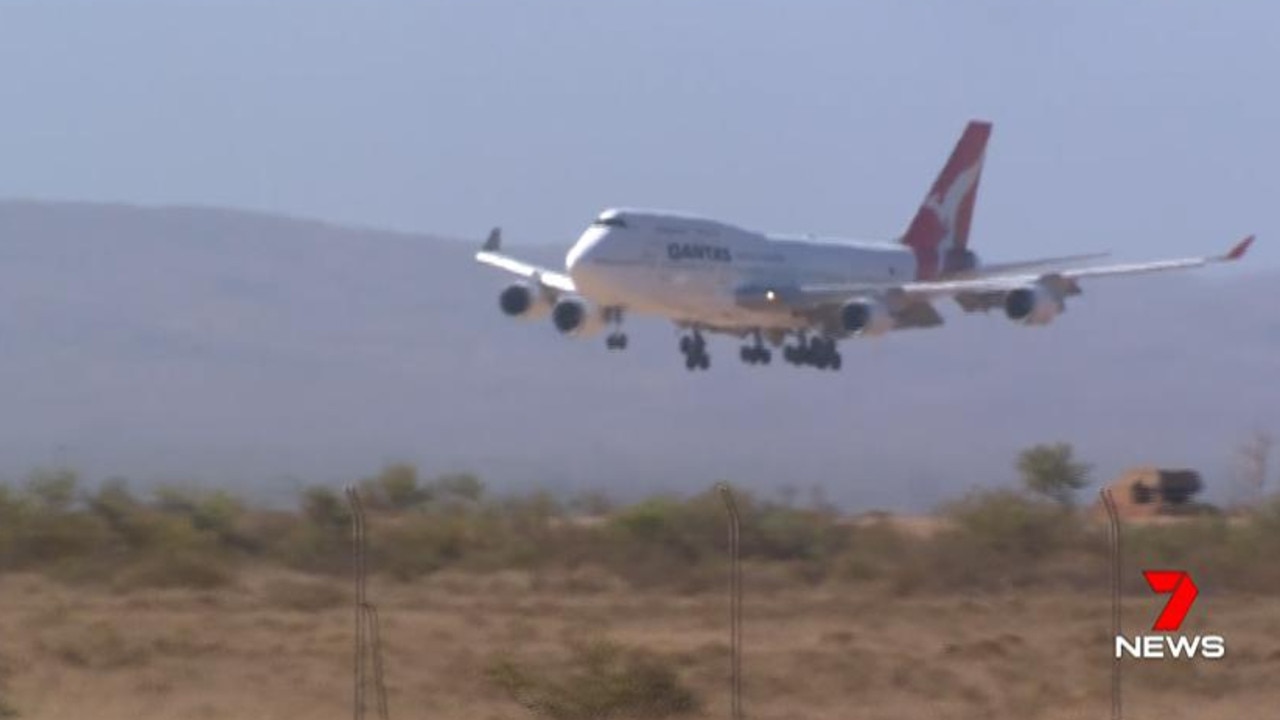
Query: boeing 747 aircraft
<point>712,277</point>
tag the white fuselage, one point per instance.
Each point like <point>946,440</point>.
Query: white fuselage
<point>691,269</point>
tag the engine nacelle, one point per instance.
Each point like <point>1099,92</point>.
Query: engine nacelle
<point>523,301</point>
<point>866,317</point>
<point>573,315</point>
<point>1032,305</point>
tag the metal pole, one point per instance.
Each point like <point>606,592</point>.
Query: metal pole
<point>1116,589</point>
<point>735,602</point>
<point>379,682</point>
<point>358,572</point>
<point>368,635</point>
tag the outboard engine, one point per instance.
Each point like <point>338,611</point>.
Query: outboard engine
<point>1033,305</point>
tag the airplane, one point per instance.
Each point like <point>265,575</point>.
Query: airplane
<point>708,276</point>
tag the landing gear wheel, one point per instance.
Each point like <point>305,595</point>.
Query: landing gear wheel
<point>694,348</point>
<point>616,340</point>
<point>819,352</point>
<point>697,361</point>
<point>755,353</point>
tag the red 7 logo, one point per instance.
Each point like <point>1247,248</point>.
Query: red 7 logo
<point>1184,593</point>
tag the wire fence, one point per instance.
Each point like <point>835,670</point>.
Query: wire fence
<point>735,601</point>
<point>368,628</point>
<point>369,669</point>
<point>1117,585</point>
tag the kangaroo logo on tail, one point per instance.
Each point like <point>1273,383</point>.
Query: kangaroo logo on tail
<point>939,232</point>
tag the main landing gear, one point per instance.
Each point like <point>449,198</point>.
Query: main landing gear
<point>694,347</point>
<point>819,352</point>
<point>615,340</point>
<point>755,353</point>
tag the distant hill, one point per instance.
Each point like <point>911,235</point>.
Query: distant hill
<point>231,347</point>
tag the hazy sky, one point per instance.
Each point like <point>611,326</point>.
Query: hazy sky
<point>1143,127</point>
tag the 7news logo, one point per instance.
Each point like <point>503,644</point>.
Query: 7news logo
<point>1182,594</point>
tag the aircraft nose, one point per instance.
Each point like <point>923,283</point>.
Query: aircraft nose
<point>582,251</point>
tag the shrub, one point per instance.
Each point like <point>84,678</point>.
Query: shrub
<point>1005,523</point>
<point>463,487</point>
<point>415,547</point>
<point>53,490</point>
<point>319,540</point>
<point>395,488</point>
<point>997,539</point>
<point>876,550</point>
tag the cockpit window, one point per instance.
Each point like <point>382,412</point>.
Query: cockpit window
<point>610,221</point>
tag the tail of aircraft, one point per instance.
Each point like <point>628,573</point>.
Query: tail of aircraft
<point>939,233</point>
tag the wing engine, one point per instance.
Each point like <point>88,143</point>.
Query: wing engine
<point>573,315</point>
<point>1035,304</point>
<point>866,317</point>
<point>522,300</point>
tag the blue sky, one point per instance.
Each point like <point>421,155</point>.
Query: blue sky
<point>1146,128</point>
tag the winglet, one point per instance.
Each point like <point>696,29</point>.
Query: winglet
<point>1239,249</point>
<point>494,241</point>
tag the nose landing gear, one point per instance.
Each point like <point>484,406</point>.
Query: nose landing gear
<point>616,340</point>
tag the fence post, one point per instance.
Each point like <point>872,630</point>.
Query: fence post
<point>1113,516</point>
<point>735,601</point>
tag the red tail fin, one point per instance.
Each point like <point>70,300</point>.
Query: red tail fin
<point>939,233</point>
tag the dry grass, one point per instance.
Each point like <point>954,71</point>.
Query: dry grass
<point>194,605</point>
<point>277,645</point>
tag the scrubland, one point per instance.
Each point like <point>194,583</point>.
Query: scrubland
<point>187,603</point>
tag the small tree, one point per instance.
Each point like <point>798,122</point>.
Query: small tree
<point>1051,471</point>
<point>54,490</point>
<point>396,488</point>
<point>460,486</point>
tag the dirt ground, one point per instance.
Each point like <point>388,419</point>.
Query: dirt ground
<point>278,646</point>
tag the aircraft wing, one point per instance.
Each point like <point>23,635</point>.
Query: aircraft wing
<point>911,302</point>
<point>490,254</point>
<point>810,295</point>
<point>1027,265</point>
<point>1065,281</point>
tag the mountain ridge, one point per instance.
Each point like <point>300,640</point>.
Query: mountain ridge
<point>262,351</point>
